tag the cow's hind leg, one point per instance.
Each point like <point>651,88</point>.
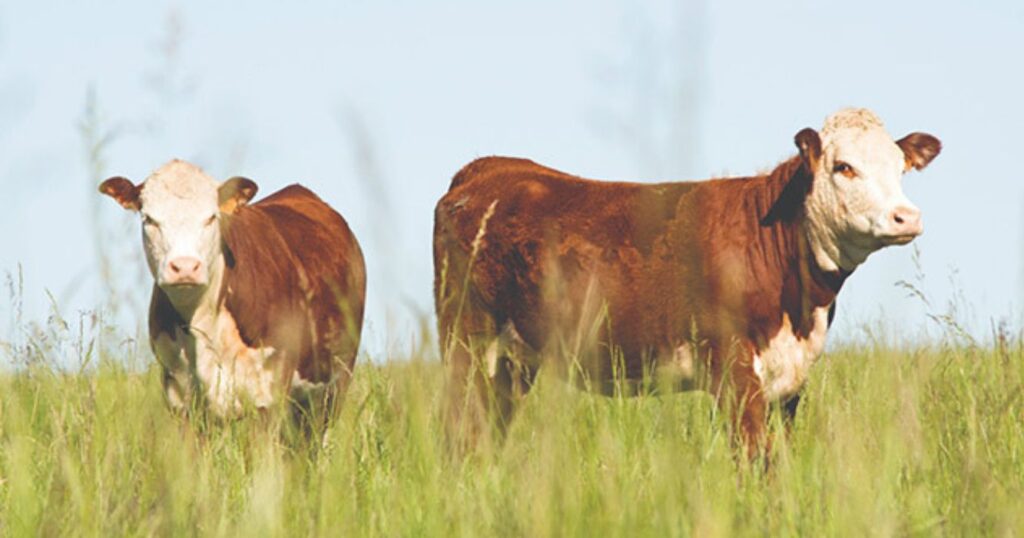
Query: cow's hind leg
<point>512,369</point>
<point>306,420</point>
<point>488,372</point>
<point>465,400</point>
<point>314,405</point>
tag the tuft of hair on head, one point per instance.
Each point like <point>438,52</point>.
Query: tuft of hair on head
<point>851,118</point>
<point>181,179</point>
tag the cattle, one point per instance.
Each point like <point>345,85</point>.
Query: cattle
<point>727,285</point>
<point>252,305</point>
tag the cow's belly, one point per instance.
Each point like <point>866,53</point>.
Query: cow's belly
<point>783,364</point>
<point>215,363</point>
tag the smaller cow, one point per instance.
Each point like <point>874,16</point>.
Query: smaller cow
<point>252,305</point>
<point>727,284</point>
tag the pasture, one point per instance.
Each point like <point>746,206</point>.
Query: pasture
<point>910,424</point>
<point>891,439</point>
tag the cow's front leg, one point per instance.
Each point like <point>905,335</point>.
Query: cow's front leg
<point>750,417</point>
<point>176,379</point>
<point>177,392</point>
<point>737,389</point>
<point>789,407</point>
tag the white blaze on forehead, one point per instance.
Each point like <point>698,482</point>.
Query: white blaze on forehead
<point>851,217</point>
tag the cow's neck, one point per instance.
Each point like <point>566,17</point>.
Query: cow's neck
<point>821,226</point>
<point>807,283</point>
<point>823,245</point>
<point>818,286</point>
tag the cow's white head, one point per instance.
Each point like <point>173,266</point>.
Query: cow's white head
<point>181,208</point>
<point>856,203</point>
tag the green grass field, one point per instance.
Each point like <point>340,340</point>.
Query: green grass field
<point>918,441</point>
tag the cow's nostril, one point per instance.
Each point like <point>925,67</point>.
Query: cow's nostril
<point>898,218</point>
<point>184,265</point>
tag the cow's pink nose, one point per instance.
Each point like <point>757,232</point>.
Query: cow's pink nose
<point>906,221</point>
<point>184,269</point>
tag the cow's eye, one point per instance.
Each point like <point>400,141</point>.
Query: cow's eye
<point>211,220</point>
<point>844,169</point>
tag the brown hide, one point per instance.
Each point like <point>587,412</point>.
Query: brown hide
<point>294,280</point>
<point>722,257</point>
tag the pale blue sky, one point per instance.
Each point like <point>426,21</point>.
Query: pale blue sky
<point>618,90</point>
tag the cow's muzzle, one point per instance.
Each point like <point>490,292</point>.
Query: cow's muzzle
<point>184,271</point>
<point>904,224</point>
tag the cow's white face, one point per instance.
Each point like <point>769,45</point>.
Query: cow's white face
<point>856,203</point>
<point>181,207</point>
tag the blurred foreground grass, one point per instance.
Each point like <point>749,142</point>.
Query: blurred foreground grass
<point>919,441</point>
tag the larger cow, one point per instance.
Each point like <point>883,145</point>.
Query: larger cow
<point>252,305</point>
<point>730,281</point>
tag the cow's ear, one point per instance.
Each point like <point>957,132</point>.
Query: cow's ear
<point>235,192</point>
<point>919,149</point>
<point>809,143</point>
<point>123,191</point>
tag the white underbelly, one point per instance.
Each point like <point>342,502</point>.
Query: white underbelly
<point>216,363</point>
<point>247,377</point>
<point>784,363</point>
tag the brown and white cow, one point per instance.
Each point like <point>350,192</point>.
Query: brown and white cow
<point>730,281</point>
<point>252,305</point>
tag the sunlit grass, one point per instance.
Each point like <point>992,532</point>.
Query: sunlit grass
<point>924,440</point>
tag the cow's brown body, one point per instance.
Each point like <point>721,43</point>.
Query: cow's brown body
<point>293,283</point>
<point>712,269</point>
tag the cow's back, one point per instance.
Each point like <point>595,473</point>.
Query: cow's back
<point>549,230</point>
<point>606,212</point>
